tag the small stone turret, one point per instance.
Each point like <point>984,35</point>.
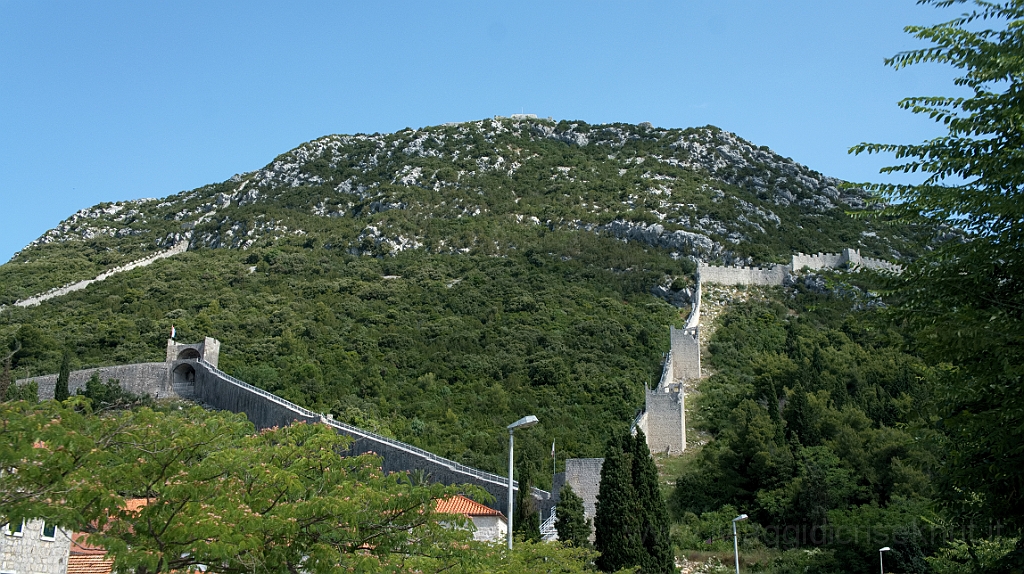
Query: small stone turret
<point>208,350</point>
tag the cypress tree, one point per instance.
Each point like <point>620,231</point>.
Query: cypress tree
<point>572,527</point>
<point>5,375</point>
<point>60,391</point>
<point>617,522</point>
<point>526,523</point>
<point>658,555</point>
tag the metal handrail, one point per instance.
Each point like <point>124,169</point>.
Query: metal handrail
<point>548,526</point>
<point>480,474</point>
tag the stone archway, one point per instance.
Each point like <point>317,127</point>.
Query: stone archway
<point>189,355</point>
<point>183,380</point>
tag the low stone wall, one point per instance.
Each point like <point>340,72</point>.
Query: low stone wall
<point>141,378</point>
<point>78,286</point>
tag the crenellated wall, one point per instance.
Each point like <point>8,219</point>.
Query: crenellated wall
<point>776,275</point>
<point>742,275</point>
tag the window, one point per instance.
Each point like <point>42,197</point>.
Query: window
<point>18,531</point>
<point>49,531</point>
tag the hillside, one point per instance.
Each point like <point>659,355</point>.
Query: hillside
<point>436,284</point>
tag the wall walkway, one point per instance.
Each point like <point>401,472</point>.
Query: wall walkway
<point>220,390</point>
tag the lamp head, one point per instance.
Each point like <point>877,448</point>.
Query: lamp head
<point>527,421</point>
<point>740,517</point>
<point>885,549</point>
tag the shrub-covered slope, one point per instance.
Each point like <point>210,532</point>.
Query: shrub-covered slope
<point>438,283</point>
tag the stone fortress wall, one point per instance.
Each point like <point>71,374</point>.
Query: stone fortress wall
<point>190,372</point>
<point>777,274</point>
<point>79,285</point>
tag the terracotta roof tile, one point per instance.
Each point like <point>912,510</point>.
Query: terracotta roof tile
<point>80,540</point>
<point>89,564</point>
<point>461,505</point>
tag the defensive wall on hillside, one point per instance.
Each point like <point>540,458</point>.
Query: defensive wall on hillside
<point>190,372</point>
<point>777,274</point>
<point>79,285</point>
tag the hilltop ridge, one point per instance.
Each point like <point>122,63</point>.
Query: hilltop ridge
<point>700,192</point>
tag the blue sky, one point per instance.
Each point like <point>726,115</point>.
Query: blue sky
<point>106,101</point>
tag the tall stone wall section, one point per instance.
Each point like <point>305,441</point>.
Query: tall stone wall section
<point>584,475</point>
<point>685,356</point>
<point>140,378</point>
<point>742,275</point>
<point>665,420</point>
<point>219,390</point>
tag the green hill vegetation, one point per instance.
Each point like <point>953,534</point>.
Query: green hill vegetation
<point>435,284</point>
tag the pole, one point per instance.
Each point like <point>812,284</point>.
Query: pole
<point>736,546</point>
<point>881,565</point>
<point>510,444</point>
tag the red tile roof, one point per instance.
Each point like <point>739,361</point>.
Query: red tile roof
<point>461,505</point>
<point>80,540</point>
<point>89,564</point>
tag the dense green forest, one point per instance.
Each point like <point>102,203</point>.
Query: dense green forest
<point>816,413</point>
<point>440,350</point>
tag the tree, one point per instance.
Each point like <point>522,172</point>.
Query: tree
<point>5,374</point>
<point>60,389</point>
<point>570,521</point>
<point>964,299</point>
<point>658,555</point>
<point>526,522</point>
<point>282,500</point>
<point>110,395</point>
<point>617,522</point>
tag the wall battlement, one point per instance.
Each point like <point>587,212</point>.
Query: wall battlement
<point>777,274</point>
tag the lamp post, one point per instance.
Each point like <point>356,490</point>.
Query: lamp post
<point>736,540</point>
<point>881,565</point>
<point>525,422</point>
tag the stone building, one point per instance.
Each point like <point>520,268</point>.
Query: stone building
<point>33,547</point>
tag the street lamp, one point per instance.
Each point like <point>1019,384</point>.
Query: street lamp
<point>736,540</point>
<point>525,422</point>
<point>881,565</point>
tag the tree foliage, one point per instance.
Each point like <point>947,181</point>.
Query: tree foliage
<point>617,522</point>
<point>658,555</point>
<point>570,520</point>
<point>965,299</point>
<point>60,389</point>
<point>526,521</point>
<point>632,519</point>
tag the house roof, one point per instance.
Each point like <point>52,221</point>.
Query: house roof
<point>89,564</point>
<point>80,540</point>
<point>459,504</point>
